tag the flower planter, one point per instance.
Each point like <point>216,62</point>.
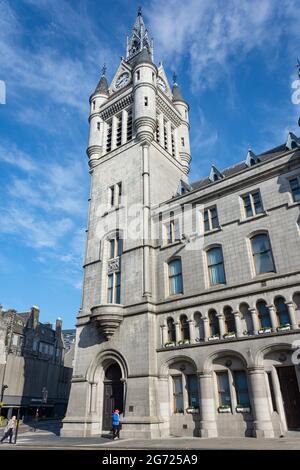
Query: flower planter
<point>225,409</point>
<point>284,328</point>
<point>167,345</point>
<point>184,341</point>
<point>213,338</point>
<point>243,409</point>
<point>264,330</point>
<point>229,335</point>
<point>192,410</point>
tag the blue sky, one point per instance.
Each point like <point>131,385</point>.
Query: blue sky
<point>235,62</point>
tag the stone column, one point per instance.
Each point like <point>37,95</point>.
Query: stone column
<point>192,331</point>
<point>114,132</point>
<point>124,126</point>
<point>164,330</point>
<point>93,397</point>
<point>273,317</point>
<point>260,407</point>
<point>208,425</point>
<point>255,321</point>
<point>206,328</point>
<point>221,324</point>
<point>238,324</point>
<point>292,314</point>
<point>177,331</point>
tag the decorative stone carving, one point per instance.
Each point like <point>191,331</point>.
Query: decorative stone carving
<point>113,265</point>
<point>107,318</point>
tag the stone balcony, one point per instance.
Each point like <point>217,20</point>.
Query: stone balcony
<point>107,318</point>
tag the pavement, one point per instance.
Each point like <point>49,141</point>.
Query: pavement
<point>46,436</point>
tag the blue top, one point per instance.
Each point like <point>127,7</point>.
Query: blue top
<point>115,419</point>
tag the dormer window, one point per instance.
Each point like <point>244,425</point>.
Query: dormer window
<point>251,158</point>
<point>292,142</point>
<point>215,174</point>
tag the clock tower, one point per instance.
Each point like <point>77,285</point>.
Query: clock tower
<point>139,155</point>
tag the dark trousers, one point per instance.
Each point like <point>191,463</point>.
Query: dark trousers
<point>9,434</point>
<point>116,431</point>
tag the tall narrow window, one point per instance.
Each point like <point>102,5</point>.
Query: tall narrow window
<point>138,75</point>
<point>146,100</point>
<point>295,187</point>
<point>282,311</point>
<point>182,141</point>
<point>213,323</point>
<point>129,125</point>
<point>108,136</point>
<point>119,131</point>
<point>184,326</point>
<point>262,254</point>
<point>173,229</point>
<point>175,277</point>
<point>177,394</point>
<point>110,285</point>
<point>192,389</point>
<point>171,330</point>
<point>210,219</point>
<point>223,389</point>
<point>173,142</point>
<point>112,195</point>
<point>215,265</point>
<point>252,204</point>
<point>114,278</point>
<point>263,314</point>
<point>119,186</point>
<point>241,388</point>
<point>165,136</point>
<point>157,136</point>
<point>229,320</point>
<point>98,126</point>
<point>94,104</point>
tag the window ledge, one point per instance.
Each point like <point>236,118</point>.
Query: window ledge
<point>214,230</point>
<point>170,245</point>
<point>293,204</point>
<point>113,209</point>
<point>174,296</point>
<point>253,217</point>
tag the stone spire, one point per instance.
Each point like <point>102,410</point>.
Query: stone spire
<point>102,86</point>
<point>177,95</point>
<point>139,38</point>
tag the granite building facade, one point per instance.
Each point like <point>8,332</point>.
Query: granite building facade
<point>190,315</point>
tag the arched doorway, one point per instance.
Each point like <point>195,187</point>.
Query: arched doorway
<point>112,393</point>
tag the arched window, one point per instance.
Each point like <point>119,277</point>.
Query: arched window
<point>171,329</point>
<point>175,277</point>
<point>229,320</point>
<point>262,254</point>
<point>215,266</point>
<point>184,326</point>
<point>281,311</point>
<point>263,314</point>
<point>213,323</point>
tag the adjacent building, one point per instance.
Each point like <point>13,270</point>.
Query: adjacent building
<point>190,315</point>
<point>33,375</point>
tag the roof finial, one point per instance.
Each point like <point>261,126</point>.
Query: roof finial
<point>174,78</point>
<point>104,70</point>
<point>298,67</point>
<point>140,11</point>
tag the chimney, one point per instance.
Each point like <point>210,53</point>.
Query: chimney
<point>58,325</point>
<point>35,314</point>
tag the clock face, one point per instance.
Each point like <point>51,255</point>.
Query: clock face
<point>161,84</point>
<point>122,80</point>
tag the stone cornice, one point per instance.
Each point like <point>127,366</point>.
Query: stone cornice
<point>166,109</point>
<point>116,107</point>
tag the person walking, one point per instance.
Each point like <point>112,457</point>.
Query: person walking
<point>116,424</point>
<point>9,429</point>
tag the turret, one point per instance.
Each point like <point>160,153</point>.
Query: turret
<point>97,99</point>
<point>183,131</point>
<point>144,89</point>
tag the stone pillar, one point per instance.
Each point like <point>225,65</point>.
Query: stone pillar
<point>221,324</point>
<point>161,129</point>
<point>255,321</point>
<point>93,397</point>
<point>177,331</point>
<point>206,328</point>
<point>124,126</point>
<point>292,314</point>
<point>164,330</point>
<point>208,425</point>
<point>238,324</point>
<point>146,221</point>
<point>260,407</point>
<point>169,138</point>
<point>114,132</point>
<point>192,330</point>
<point>273,317</point>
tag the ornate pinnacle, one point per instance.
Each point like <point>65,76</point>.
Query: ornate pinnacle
<point>174,78</point>
<point>139,11</point>
<point>104,70</point>
<point>298,67</point>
